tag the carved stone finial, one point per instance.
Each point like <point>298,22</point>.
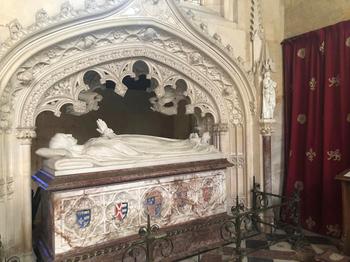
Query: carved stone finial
<point>42,18</point>
<point>217,37</point>
<point>256,27</point>
<point>190,13</point>
<point>15,29</point>
<point>241,61</point>
<point>67,10</point>
<point>229,48</point>
<point>204,27</point>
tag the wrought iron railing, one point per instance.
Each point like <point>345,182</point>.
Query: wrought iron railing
<point>247,223</point>
<point>242,224</point>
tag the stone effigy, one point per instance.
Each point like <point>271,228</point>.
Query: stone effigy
<point>112,151</point>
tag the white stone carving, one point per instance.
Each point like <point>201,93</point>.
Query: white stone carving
<point>269,97</point>
<point>5,113</point>
<point>112,151</point>
<point>88,42</point>
<point>16,30</point>
<point>25,133</point>
<point>88,101</point>
<point>42,20</point>
<point>237,160</point>
<point>39,91</point>
<point>256,26</point>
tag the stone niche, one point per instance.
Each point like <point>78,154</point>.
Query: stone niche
<point>138,111</point>
<point>175,196</point>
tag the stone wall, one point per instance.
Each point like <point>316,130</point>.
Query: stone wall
<point>303,16</point>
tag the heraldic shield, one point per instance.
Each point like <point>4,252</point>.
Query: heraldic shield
<point>83,218</point>
<point>121,210</point>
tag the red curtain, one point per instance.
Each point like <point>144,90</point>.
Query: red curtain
<point>317,126</point>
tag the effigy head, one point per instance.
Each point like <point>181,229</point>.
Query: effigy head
<point>61,140</point>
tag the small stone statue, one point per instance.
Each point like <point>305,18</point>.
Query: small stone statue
<point>269,96</point>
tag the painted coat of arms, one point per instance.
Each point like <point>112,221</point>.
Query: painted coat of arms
<point>207,191</point>
<point>182,197</point>
<point>83,217</point>
<point>153,203</point>
<point>121,210</point>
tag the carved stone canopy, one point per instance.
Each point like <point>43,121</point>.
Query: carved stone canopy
<point>64,62</point>
<point>52,78</point>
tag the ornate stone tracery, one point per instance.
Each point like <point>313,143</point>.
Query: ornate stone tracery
<point>191,62</point>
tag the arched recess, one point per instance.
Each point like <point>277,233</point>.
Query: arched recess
<point>48,73</point>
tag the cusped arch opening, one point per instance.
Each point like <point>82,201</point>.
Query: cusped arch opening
<point>128,114</point>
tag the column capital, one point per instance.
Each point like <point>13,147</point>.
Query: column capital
<point>220,127</point>
<point>266,127</point>
<point>25,135</point>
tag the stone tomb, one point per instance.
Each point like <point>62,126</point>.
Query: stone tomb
<point>97,215</point>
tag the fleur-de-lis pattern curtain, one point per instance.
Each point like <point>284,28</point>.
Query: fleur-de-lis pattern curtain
<point>317,122</point>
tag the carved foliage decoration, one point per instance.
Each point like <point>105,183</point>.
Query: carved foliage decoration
<point>43,20</point>
<point>72,90</point>
<point>157,45</point>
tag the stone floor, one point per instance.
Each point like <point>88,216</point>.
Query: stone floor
<point>318,248</point>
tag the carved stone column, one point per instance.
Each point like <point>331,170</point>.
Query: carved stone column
<point>220,137</point>
<point>15,209</point>
<point>266,132</point>
<point>24,141</point>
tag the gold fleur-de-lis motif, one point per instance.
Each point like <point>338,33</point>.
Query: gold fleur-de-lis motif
<point>310,223</point>
<point>322,47</point>
<point>334,155</point>
<point>312,84</point>
<point>348,118</point>
<point>301,53</point>
<point>347,42</point>
<point>310,154</point>
<point>301,119</point>
<point>334,81</point>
